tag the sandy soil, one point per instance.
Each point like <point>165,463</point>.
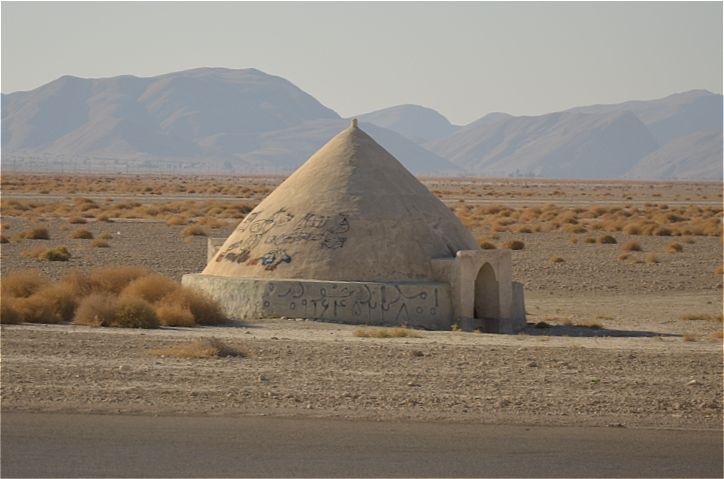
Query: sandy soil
<point>645,367</point>
<point>305,368</point>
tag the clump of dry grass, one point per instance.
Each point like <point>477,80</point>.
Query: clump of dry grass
<point>114,279</point>
<point>35,234</point>
<point>59,253</point>
<point>105,236</point>
<point>176,220</point>
<point>134,313</point>
<point>514,245</point>
<point>487,245</point>
<point>588,323</point>
<point>8,314</point>
<point>175,315</point>
<point>193,230</point>
<point>202,307</point>
<point>674,247</point>
<point>631,246</point>
<point>200,349</point>
<point>701,317</point>
<point>556,259</point>
<point>652,258</point>
<point>589,240</point>
<point>607,239</point>
<point>689,338</point>
<point>21,284</point>
<point>81,234</point>
<point>97,309</point>
<point>386,333</point>
<point>99,243</point>
<point>77,220</point>
<point>719,269</point>
<point>4,239</point>
<point>151,288</point>
<point>115,297</point>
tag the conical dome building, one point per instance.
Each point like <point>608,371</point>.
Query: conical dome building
<point>352,236</point>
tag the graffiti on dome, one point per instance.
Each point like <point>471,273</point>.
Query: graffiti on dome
<point>284,228</point>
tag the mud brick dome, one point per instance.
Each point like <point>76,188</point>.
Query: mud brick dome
<point>352,212</point>
<point>352,236</point>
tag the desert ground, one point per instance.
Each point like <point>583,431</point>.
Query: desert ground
<point>623,296</point>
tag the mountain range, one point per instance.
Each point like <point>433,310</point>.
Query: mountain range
<point>246,121</point>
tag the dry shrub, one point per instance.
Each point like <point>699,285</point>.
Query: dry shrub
<point>176,220</point>
<point>114,279</point>
<point>573,228</point>
<point>174,315</point>
<point>701,317</point>
<point>97,309</point>
<point>200,349</point>
<point>60,300</point>
<point>34,309</point>
<point>77,220</point>
<point>193,230</point>
<point>719,269</point>
<point>386,333</point>
<point>105,236</point>
<point>202,307</point>
<point>631,246</point>
<point>59,253</point>
<point>52,303</point>
<point>100,244</point>
<point>487,245</point>
<point>589,240</point>
<point>717,334</point>
<point>150,288</point>
<point>556,259</point>
<point>4,239</point>
<point>116,297</point>
<point>35,234</point>
<point>21,284</point>
<point>632,229</point>
<point>134,313</point>
<point>8,314</point>
<point>607,239</point>
<point>104,218</point>
<point>514,244</point>
<point>81,234</point>
<point>689,338</point>
<point>589,323</point>
<point>652,258</point>
<point>674,247</point>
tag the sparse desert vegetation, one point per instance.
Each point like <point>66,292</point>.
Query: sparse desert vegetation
<point>200,349</point>
<point>58,253</point>
<point>81,234</point>
<point>386,333</point>
<point>636,298</point>
<point>513,244</point>
<point>115,297</point>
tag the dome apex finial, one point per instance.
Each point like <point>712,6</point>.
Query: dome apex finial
<point>354,122</point>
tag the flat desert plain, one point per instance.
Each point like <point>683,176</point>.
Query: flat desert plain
<point>623,286</point>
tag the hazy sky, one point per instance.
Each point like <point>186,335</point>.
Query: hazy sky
<point>462,59</point>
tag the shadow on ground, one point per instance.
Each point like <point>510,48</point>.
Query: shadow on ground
<point>582,332</point>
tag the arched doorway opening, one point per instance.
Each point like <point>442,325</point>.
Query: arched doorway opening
<point>486,294</point>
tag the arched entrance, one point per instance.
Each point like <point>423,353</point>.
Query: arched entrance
<point>486,293</point>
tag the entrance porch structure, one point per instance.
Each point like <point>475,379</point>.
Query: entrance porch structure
<point>353,237</point>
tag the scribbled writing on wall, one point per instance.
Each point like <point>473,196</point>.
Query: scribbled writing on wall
<point>282,228</point>
<point>371,303</point>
